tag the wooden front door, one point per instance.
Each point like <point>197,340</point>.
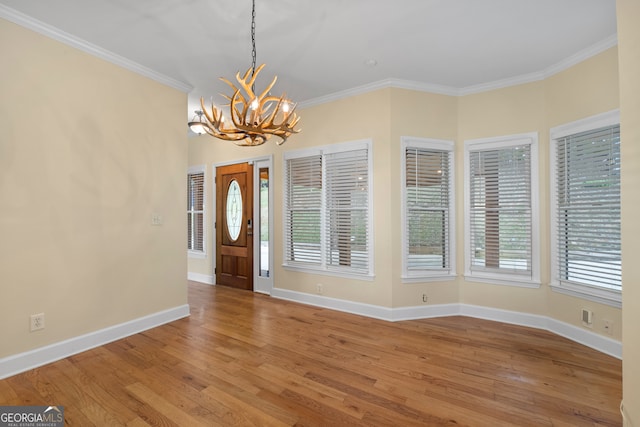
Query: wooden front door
<point>234,226</point>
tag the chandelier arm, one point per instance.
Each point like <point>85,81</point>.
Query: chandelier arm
<point>233,87</point>
<point>237,117</point>
<point>243,84</point>
<point>269,87</point>
<point>247,75</point>
<point>247,82</point>
<point>215,125</point>
<point>271,117</point>
<point>292,121</point>
<point>286,115</point>
<point>211,119</point>
<point>292,118</point>
<point>293,124</point>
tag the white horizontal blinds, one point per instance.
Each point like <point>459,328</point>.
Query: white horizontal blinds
<point>427,190</point>
<point>501,209</point>
<point>347,202</point>
<point>195,211</point>
<point>589,208</point>
<point>303,200</point>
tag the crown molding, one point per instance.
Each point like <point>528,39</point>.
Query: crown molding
<point>40,27</point>
<point>566,63</point>
<point>343,94</point>
<point>582,55</point>
<point>424,87</point>
<point>381,84</point>
<point>503,83</point>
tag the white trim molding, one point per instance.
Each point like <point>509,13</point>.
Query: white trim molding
<point>608,118</point>
<point>504,276</point>
<point>201,278</point>
<point>426,274</point>
<point>54,33</point>
<point>535,76</point>
<point>574,333</point>
<point>322,265</point>
<point>597,294</point>
<point>31,359</point>
<point>590,339</point>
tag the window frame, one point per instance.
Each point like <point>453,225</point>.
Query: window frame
<point>194,170</point>
<point>497,277</point>
<point>323,267</point>
<point>592,293</point>
<point>427,275</point>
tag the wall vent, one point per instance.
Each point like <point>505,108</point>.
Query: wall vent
<point>587,317</point>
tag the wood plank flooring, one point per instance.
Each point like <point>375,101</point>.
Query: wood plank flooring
<point>247,359</point>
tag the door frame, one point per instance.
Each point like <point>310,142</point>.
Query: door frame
<point>260,284</point>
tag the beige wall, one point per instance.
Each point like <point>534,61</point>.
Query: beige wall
<point>88,151</point>
<point>586,89</point>
<point>360,117</point>
<point>423,115</point>
<point>629,58</point>
<point>512,110</point>
<point>386,115</point>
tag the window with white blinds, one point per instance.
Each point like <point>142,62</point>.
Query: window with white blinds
<point>303,208</point>
<point>327,215</point>
<point>501,209</point>
<point>347,214</point>
<point>588,208</point>
<point>195,209</point>
<point>428,208</point>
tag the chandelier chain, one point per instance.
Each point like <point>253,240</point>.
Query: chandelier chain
<point>253,38</point>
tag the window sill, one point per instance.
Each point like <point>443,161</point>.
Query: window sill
<point>326,272</point>
<point>444,277</point>
<point>590,293</point>
<point>509,280</point>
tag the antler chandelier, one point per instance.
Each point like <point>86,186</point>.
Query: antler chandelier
<point>254,118</point>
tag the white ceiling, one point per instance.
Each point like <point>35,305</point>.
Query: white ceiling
<point>320,48</point>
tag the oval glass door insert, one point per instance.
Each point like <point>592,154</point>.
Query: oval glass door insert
<point>234,210</point>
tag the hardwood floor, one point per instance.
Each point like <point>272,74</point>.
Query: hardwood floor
<point>248,359</point>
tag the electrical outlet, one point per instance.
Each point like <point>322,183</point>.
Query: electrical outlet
<point>587,317</point>
<point>319,288</point>
<point>607,326</point>
<point>37,321</point>
<point>425,298</point>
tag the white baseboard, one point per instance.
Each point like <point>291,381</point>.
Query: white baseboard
<point>368,310</point>
<point>505,316</point>
<point>18,363</point>
<point>599,342</point>
<point>202,278</point>
<point>590,339</point>
<point>626,419</point>
<point>424,312</point>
